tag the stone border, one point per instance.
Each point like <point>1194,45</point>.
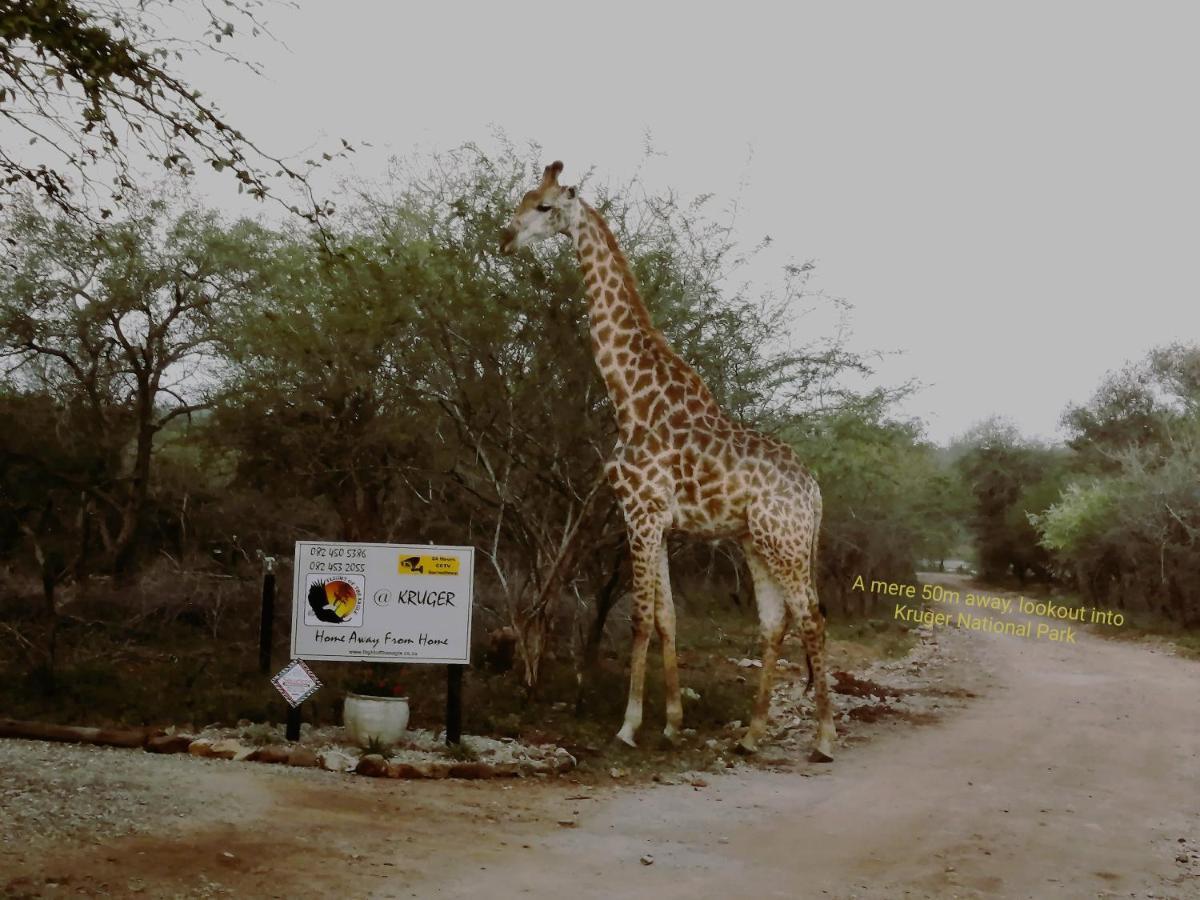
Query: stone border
<point>158,740</point>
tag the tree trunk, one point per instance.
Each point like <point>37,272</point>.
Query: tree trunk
<point>606,599</point>
<point>49,582</point>
<point>126,544</point>
<point>85,540</point>
<point>49,563</point>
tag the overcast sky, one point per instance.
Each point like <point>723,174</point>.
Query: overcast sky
<point>1008,194</point>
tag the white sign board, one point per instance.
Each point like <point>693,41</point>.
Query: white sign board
<point>382,602</point>
<point>296,682</point>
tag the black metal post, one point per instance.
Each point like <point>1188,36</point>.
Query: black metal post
<point>293,722</point>
<point>454,676</point>
<point>267,622</point>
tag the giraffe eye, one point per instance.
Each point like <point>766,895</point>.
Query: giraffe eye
<point>543,208</point>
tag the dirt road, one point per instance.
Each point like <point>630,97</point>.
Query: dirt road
<point>1074,773</point>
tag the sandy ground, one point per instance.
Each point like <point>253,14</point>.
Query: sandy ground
<point>1074,773</point>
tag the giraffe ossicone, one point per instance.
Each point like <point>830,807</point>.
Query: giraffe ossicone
<point>681,464</point>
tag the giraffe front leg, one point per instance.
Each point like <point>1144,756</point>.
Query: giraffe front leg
<point>645,568</point>
<point>664,621</point>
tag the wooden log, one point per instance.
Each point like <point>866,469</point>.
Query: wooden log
<point>73,734</point>
<point>169,743</point>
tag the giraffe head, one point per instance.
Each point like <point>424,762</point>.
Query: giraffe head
<point>547,209</point>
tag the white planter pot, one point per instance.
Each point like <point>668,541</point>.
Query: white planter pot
<point>383,719</point>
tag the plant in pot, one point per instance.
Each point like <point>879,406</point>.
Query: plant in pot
<point>376,709</point>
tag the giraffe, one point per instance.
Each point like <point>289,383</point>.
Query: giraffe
<point>682,465</point>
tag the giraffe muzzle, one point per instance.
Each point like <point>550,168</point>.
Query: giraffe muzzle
<point>508,237</point>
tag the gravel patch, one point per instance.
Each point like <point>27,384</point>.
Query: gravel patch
<point>77,790</point>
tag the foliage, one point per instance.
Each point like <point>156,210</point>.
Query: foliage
<point>888,499</point>
<point>85,82</point>
<point>420,384</point>
<point>1009,479</point>
<point>115,333</point>
<point>1139,406</point>
<point>1132,539</point>
<point>1080,516</point>
<point>392,377</point>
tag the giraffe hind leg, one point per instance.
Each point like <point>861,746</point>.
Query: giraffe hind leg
<point>803,603</point>
<point>789,566</point>
<point>772,618</point>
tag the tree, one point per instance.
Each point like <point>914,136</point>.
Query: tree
<point>1009,478</point>
<point>888,500</point>
<point>1138,406</point>
<point>1127,528</point>
<point>419,367</point>
<point>116,330</point>
<point>86,86</point>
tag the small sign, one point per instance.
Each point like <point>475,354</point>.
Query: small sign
<point>359,602</point>
<point>428,565</point>
<point>296,682</point>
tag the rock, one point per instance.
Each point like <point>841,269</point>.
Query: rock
<point>617,772</point>
<point>202,747</point>
<point>273,754</point>
<point>437,769</point>
<point>337,761</point>
<point>540,767</point>
<point>564,759</point>
<point>698,783</point>
<point>567,823</point>
<point>750,663</point>
<point>169,743</point>
<point>373,766</point>
<point>303,757</point>
<point>689,693</point>
<point>470,770</point>
<point>231,749</point>
<point>404,770</point>
<point>647,860</point>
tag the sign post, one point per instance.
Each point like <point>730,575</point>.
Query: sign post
<point>359,602</point>
<point>266,627</point>
<point>454,676</point>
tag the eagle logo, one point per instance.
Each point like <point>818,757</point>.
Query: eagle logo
<point>335,601</point>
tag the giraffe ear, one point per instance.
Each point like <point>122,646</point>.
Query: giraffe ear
<point>550,175</point>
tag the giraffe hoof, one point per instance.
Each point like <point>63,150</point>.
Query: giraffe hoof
<point>671,735</point>
<point>747,746</point>
<point>626,738</point>
<point>823,748</point>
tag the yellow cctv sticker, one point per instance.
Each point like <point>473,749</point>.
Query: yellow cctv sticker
<point>428,565</point>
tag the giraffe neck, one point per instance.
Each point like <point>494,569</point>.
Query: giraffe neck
<point>647,381</point>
